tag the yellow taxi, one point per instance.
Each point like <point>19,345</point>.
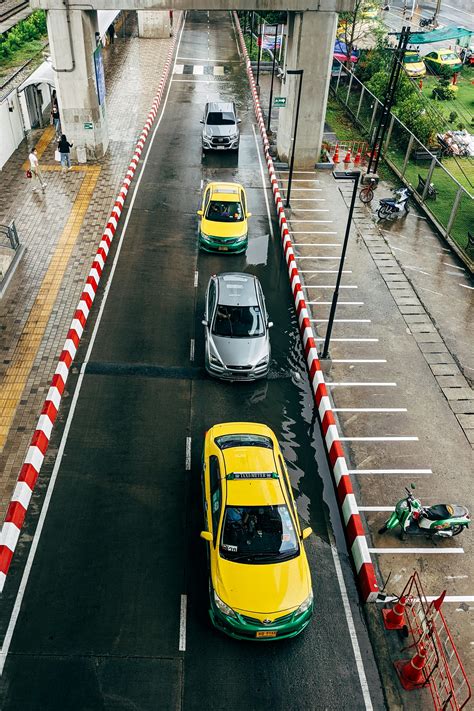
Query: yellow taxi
<point>414,65</point>
<point>260,584</point>
<point>442,58</point>
<point>224,216</point>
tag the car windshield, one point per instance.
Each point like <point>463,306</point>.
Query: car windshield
<point>238,322</point>
<point>258,534</point>
<point>447,57</point>
<point>243,440</point>
<point>222,211</point>
<point>412,58</point>
<point>220,118</point>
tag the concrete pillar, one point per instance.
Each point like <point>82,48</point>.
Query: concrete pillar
<point>310,47</point>
<point>72,38</point>
<point>154,23</point>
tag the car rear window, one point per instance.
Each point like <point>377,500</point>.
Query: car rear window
<point>243,440</point>
<point>220,118</point>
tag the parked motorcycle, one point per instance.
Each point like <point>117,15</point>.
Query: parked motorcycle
<point>430,22</point>
<point>393,206</point>
<point>438,521</point>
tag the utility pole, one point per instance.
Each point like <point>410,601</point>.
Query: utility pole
<point>384,119</point>
<point>438,8</point>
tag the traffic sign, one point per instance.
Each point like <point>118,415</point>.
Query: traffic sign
<point>279,101</point>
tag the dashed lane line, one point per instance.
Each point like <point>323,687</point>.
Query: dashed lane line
<point>182,623</point>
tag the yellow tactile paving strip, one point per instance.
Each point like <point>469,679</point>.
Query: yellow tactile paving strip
<point>41,145</point>
<point>25,353</point>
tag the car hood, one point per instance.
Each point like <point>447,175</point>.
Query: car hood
<point>220,131</point>
<point>263,589</point>
<point>240,351</point>
<point>224,229</point>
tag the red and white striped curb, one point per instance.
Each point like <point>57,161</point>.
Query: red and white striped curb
<point>355,534</point>
<point>39,443</point>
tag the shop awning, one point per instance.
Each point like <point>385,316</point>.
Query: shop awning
<point>105,19</point>
<point>442,35</point>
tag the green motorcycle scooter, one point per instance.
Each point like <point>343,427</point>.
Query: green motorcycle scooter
<point>438,521</point>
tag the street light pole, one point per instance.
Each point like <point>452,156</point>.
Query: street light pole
<point>300,73</point>
<point>251,34</point>
<point>341,175</point>
<point>259,47</point>
<point>273,74</point>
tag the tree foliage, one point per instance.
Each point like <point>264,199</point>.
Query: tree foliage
<point>34,27</point>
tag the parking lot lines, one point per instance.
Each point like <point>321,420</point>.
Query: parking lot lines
<point>363,384</point>
<point>415,551</point>
<point>316,244</point>
<point>341,320</point>
<point>369,409</point>
<point>391,471</point>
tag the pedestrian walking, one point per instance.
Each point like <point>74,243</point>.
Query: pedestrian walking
<point>111,33</point>
<point>64,148</point>
<point>36,174</point>
<point>55,113</point>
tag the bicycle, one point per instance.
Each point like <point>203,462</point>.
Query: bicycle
<point>366,195</point>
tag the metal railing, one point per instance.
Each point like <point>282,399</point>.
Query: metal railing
<point>451,206</point>
<point>9,235</point>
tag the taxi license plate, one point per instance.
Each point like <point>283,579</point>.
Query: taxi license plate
<point>265,633</point>
<point>223,249</point>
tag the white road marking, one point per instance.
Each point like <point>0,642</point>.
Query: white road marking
<point>324,286</point>
<point>416,269</point>
<point>196,278</point>
<point>423,288</point>
<point>308,200</point>
<point>432,598</point>
<point>453,266</point>
<point>309,190</point>
<point>376,508</point>
<point>49,492</point>
<point>301,172</point>
<point>311,232</point>
<point>210,80</point>
<point>339,303</point>
<point>202,184</point>
<point>330,259</point>
<point>316,244</point>
<point>415,551</point>
<point>201,59</point>
<point>267,206</point>
<point>324,271</point>
<point>379,439</point>
<point>368,409</point>
<point>293,221</point>
<point>191,349</point>
<point>179,68</point>
<point>300,180</point>
<point>182,624</point>
<point>399,249</point>
<point>390,471</point>
<point>352,340</point>
<point>350,624</point>
<point>311,209</point>
<point>465,286</point>
<point>188,454</point>
<point>456,577</point>
<point>383,385</point>
<point>341,320</point>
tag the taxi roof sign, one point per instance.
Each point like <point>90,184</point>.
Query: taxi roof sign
<point>252,475</point>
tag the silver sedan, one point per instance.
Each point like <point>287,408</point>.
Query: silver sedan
<point>236,327</point>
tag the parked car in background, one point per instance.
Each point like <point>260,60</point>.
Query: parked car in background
<point>220,127</point>
<point>224,218</point>
<point>341,52</point>
<point>414,65</point>
<point>236,327</point>
<point>442,58</point>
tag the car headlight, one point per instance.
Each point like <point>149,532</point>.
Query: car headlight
<point>214,360</point>
<point>225,609</point>
<point>262,361</point>
<point>306,604</point>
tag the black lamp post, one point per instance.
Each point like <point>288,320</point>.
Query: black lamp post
<point>353,175</point>
<point>251,34</point>
<point>300,73</point>
<point>259,48</point>
<point>273,74</point>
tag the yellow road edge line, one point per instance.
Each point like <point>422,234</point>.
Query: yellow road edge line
<point>32,334</point>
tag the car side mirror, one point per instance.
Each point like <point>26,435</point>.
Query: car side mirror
<point>270,324</point>
<point>204,322</point>
<point>248,214</point>
<point>201,121</point>
<point>206,535</point>
<point>200,212</point>
<point>306,532</point>
<point>239,120</point>
<point>412,486</point>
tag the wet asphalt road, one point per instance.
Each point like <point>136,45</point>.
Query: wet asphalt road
<point>99,625</point>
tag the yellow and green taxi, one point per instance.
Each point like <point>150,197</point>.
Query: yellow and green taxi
<point>442,58</point>
<point>260,584</point>
<point>414,65</point>
<point>224,216</point>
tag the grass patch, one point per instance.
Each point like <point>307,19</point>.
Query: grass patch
<point>21,56</point>
<point>266,57</point>
<point>463,104</point>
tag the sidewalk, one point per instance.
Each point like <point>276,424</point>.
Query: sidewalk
<point>61,229</point>
<point>403,407</point>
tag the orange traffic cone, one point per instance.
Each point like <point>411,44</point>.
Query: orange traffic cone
<point>411,673</point>
<point>357,158</point>
<point>335,158</point>
<point>347,159</point>
<point>394,618</point>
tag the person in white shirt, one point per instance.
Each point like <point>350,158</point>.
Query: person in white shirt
<point>36,174</point>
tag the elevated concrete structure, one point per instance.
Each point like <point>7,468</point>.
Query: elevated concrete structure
<point>72,35</point>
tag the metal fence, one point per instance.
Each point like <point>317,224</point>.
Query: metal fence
<point>9,236</point>
<point>450,206</point>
